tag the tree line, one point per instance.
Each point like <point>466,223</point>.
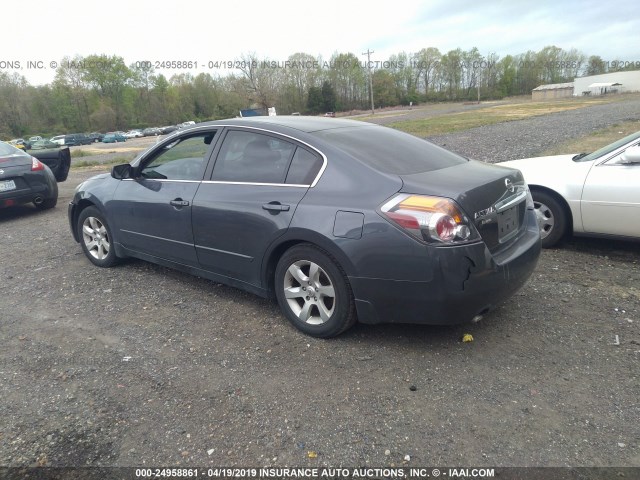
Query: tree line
<point>102,93</point>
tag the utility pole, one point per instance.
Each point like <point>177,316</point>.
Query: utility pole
<point>368,54</point>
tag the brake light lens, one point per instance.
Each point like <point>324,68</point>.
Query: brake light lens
<point>36,165</point>
<point>430,219</point>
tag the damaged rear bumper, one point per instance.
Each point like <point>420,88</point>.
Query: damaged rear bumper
<point>465,281</point>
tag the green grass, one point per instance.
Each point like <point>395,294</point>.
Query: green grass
<point>115,161</point>
<point>80,153</point>
<point>487,116</point>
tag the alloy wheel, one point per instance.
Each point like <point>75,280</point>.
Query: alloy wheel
<point>95,238</point>
<point>309,292</point>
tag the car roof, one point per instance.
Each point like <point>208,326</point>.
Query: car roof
<point>304,124</point>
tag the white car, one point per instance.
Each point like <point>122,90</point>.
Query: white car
<point>59,139</point>
<point>596,194</point>
<point>133,134</point>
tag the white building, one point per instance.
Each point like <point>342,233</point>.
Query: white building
<point>616,82</point>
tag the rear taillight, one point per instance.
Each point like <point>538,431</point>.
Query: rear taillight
<point>430,219</point>
<point>36,164</point>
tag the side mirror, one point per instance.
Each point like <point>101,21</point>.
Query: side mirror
<point>120,172</point>
<point>631,156</point>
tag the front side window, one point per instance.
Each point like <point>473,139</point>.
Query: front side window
<point>181,160</point>
<point>253,158</point>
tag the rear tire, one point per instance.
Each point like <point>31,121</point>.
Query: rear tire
<point>551,216</point>
<point>313,292</point>
<point>47,204</point>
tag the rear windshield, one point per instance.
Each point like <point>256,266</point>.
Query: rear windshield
<point>7,150</point>
<point>389,150</point>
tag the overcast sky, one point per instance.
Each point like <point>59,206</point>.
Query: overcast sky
<point>223,31</point>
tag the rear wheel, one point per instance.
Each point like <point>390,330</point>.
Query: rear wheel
<point>552,218</point>
<point>95,238</point>
<point>47,204</point>
<point>313,292</point>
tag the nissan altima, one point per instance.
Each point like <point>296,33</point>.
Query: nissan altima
<point>595,194</point>
<point>340,221</point>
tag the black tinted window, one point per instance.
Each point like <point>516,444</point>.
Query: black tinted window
<point>181,160</point>
<point>252,157</point>
<point>391,151</point>
<point>304,167</point>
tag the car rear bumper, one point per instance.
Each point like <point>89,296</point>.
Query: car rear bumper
<point>37,189</point>
<point>464,282</point>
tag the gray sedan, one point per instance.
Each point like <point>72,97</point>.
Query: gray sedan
<point>340,221</point>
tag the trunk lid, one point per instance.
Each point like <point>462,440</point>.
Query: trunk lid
<point>493,197</point>
<point>15,160</point>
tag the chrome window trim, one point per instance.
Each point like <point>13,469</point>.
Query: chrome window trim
<point>219,126</point>
<point>161,180</point>
<point>223,182</point>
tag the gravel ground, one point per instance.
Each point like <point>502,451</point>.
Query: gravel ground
<point>140,365</point>
<point>531,136</point>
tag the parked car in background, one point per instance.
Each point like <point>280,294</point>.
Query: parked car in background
<point>595,194</point>
<point>20,143</point>
<point>330,114</point>
<point>59,139</point>
<point>74,139</point>
<point>43,144</point>
<point>25,179</point>
<point>337,219</point>
<point>114,137</point>
<point>168,129</point>
<point>35,138</point>
<point>151,131</point>
<point>96,136</point>
<point>133,134</point>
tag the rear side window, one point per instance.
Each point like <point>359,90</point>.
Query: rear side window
<point>253,158</point>
<point>304,167</point>
<point>391,151</point>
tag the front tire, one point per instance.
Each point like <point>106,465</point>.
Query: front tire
<point>551,216</point>
<point>313,292</point>
<point>95,238</point>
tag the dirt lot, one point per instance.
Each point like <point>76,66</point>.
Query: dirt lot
<point>140,365</point>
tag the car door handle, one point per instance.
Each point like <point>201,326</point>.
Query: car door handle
<point>275,207</point>
<point>178,202</point>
